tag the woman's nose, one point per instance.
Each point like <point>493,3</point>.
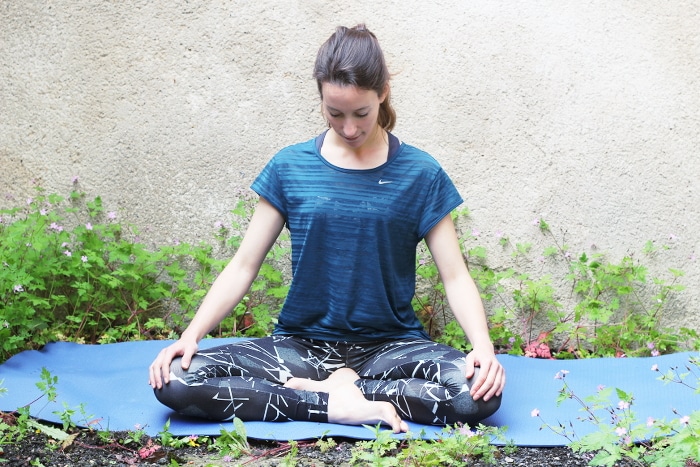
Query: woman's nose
<point>349,128</point>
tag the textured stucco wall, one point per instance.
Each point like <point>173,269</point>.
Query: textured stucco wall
<point>584,112</point>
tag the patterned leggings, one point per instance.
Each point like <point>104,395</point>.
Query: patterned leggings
<point>424,380</point>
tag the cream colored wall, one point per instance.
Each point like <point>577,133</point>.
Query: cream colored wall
<point>586,113</point>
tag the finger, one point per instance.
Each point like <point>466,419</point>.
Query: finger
<point>151,377</point>
<point>163,367</point>
<point>495,385</point>
<point>498,384</point>
<point>186,359</point>
<point>503,382</point>
<point>478,386</point>
<point>469,370</point>
<point>154,377</point>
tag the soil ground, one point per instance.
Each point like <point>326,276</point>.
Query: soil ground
<point>88,449</point>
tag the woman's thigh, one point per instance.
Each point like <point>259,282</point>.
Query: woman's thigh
<point>273,358</point>
<point>416,358</point>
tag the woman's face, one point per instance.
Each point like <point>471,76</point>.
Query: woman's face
<point>351,112</point>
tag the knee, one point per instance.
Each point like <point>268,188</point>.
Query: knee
<point>469,411</point>
<point>175,393</point>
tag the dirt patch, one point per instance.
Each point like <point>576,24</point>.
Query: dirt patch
<point>89,449</point>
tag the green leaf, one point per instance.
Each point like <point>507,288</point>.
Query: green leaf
<point>49,431</point>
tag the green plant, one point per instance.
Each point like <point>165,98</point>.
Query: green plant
<point>581,306</point>
<point>290,459</point>
<point>66,415</point>
<point>620,434</point>
<point>232,443</point>
<point>69,270</point>
<point>15,426</point>
<point>456,446</point>
<point>137,435</point>
<point>377,452</point>
<point>325,444</point>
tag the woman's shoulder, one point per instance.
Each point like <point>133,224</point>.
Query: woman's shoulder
<point>299,147</point>
<point>416,155</point>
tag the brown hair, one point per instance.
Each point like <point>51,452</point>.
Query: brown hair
<point>353,57</point>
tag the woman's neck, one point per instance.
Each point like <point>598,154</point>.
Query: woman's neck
<point>372,153</point>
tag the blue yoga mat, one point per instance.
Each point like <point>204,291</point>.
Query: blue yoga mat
<point>108,385</point>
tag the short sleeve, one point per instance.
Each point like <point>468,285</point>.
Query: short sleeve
<point>441,199</point>
<point>267,185</point>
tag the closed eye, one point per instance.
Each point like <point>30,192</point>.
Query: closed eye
<point>362,115</point>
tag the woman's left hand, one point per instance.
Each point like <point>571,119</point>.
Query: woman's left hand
<point>491,378</point>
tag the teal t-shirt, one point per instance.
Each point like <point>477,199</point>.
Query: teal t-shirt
<point>354,235</point>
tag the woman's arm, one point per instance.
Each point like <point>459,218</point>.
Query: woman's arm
<point>226,292</point>
<point>467,307</point>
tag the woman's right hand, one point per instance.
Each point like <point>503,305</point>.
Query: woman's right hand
<point>159,371</point>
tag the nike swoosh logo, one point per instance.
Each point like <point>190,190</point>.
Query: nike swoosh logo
<point>384,182</point>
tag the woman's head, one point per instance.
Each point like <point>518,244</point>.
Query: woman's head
<point>353,57</point>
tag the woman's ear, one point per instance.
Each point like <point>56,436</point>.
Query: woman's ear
<point>384,93</point>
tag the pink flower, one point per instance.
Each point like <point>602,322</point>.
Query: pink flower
<point>84,259</point>
<point>655,367</point>
<point>535,413</point>
<point>685,420</point>
<point>18,288</point>
<point>600,387</point>
<point>620,431</point>
<point>655,353</point>
<point>538,350</point>
<point>111,215</point>
<point>68,253</point>
<point>88,226</point>
<point>623,405</point>
<point>74,179</point>
<point>650,422</point>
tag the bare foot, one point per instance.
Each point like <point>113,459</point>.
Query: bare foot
<point>346,403</point>
<point>339,376</point>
